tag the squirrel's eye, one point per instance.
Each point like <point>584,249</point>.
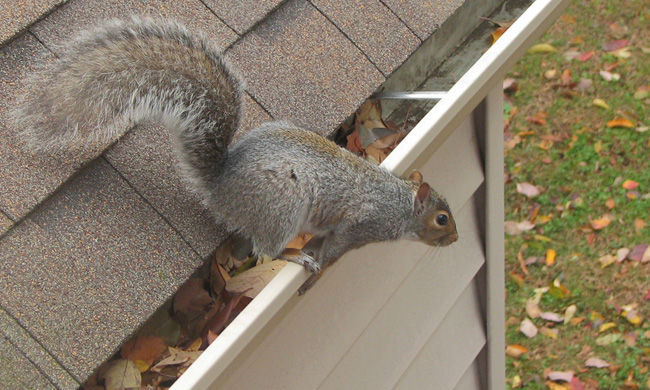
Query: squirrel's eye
<point>442,219</point>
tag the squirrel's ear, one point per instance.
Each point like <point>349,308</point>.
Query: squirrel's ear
<point>416,176</point>
<point>420,197</point>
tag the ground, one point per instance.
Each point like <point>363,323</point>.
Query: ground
<point>577,198</point>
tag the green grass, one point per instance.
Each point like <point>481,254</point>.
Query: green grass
<point>578,172</point>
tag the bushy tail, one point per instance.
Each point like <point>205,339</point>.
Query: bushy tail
<point>125,73</point>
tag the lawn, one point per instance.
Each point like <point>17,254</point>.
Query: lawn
<point>577,182</point>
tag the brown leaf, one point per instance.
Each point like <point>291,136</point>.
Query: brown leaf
<point>217,322</point>
<point>122,375</point>
<point>143,351</point>
<point>191,300</point>
<point>496,34</point>
<point>354,142</point>
<point>252,281</point>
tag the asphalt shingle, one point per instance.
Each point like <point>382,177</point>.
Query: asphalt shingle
<point>300,67</point>
<point>424,16</point>
<point>38,359</point>
<point>5,223</point>
<point>374,28</point>
<point>15,16</point>
<point>75,16</point>
<point>23,375</point>
<point>90,267</point>
<point>241,15</point>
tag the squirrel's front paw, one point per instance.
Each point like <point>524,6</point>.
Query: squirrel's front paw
<point>302,258</point>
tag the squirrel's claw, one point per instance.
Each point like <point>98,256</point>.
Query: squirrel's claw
<point>302,258</point>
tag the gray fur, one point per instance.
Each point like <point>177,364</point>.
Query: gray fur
<point>276,181</point>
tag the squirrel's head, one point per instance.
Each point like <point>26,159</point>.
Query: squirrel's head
<point>434,224</point>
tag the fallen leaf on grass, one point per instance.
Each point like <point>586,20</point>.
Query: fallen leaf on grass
<point>606,326</point>
<point>639,224</point>
<point>606,261</point>
<point>610,203</point>
<point>600,223</point>
<point>600,103</point>
<point>528,328</point>
<point>630,184</point>
<point>622,53</point>
<point>620,122</point>
<point>582,57</point>
<point>564,376</point>
<point>515,350</point>
<point>528,189</point>
<point>608,339</point>
<point>622,254</point>
<point>550,74</point>
<point>614,45</point>
<point>639,253</point>
<point>596,363</point>
<point>550,316</point>
<point>548,332</point>
<point>609,76</point>
<point>542,48</point>
<point>514,228</point>
<point>550,257</point>
<point>532,309</point>
<point>569,313</point>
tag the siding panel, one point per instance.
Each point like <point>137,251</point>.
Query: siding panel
<point>451,349</point>
<point>411,315</point>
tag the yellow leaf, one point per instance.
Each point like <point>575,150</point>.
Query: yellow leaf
<point>606,326</point>
<point>632,317</point>
<point>542,48</point>
<point>539,237</point>
<point>610,203</point>
<point>607,260</point>
<point>548,332</point>
<point>600,103</point>
<point>598,147</point>
<point>620,122</point>
<point>550,257</point>
<point>569,313</point>
<point>555,386</point>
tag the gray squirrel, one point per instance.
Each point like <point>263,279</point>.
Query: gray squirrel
<point>274,182</point>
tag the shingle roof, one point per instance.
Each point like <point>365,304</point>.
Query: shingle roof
<point>91,245</point>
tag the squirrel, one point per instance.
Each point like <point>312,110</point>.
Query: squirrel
<point>274,182</point>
